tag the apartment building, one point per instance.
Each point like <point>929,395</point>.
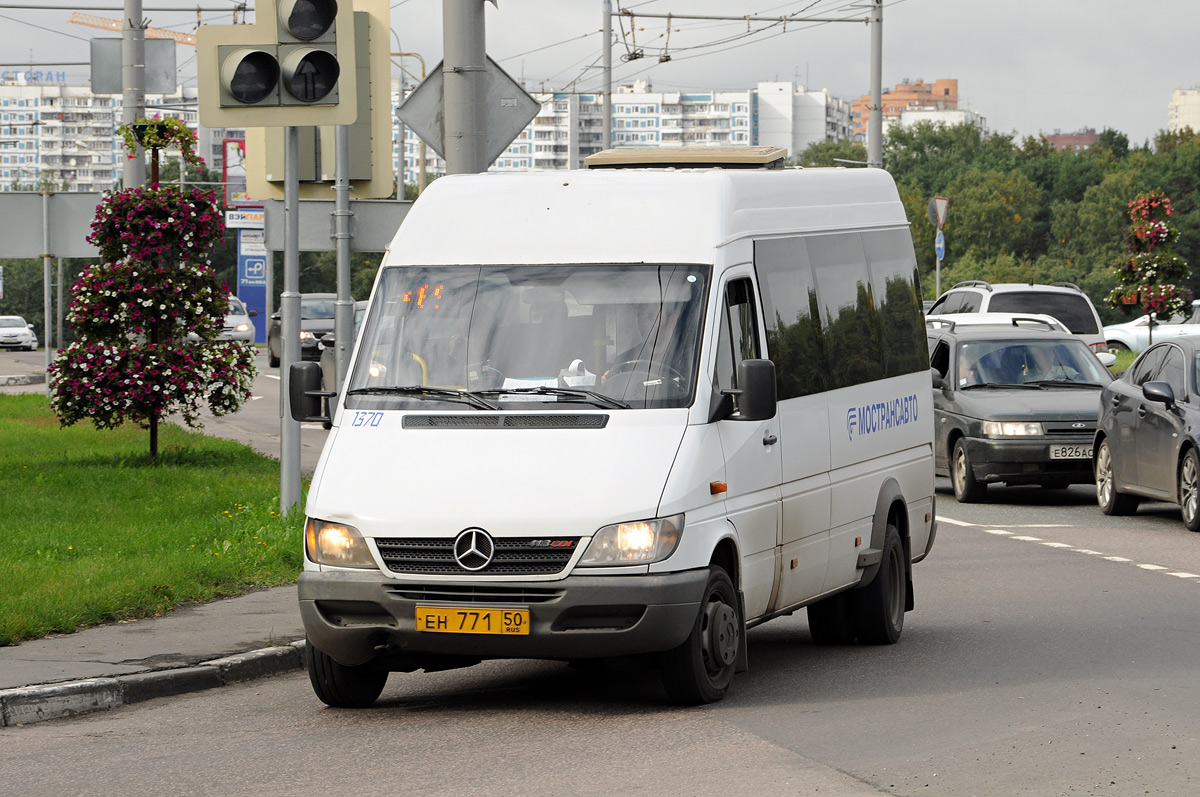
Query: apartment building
<point>1184,110</point>
<point>569,127</point>
<point>908,95</point>
<point>63,137</point>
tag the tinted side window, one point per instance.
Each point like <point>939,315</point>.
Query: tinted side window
<point>940,358</point>
<point>1070,308</point>
<point>949,303</point>
<point>795,341</point>
<point>1144,369</point>
<point>847,310</point>
<point>1172,371</point>
<point>971,302</point>
<point>895,287</point>
<point>738,335</point>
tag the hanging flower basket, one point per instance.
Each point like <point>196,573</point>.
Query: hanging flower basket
<point>161,133</point>
<point>1131,298</point>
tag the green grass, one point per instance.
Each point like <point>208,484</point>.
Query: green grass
<point>93,530</point>
<point>1125,359</point>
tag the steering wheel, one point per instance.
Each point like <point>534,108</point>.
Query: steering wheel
<point>620,379</point>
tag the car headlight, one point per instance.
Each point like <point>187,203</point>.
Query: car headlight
<point>243,327</point>
<point>1012,429</point>
<point>306,335</point>
<point>637,542</point>
<point>336,544</point>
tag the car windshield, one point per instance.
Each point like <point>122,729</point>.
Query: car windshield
<point>1039,363</point>
<point>606,335</point>
<point>12,321</point>
<point>316,308</point>
<point>236,307</point>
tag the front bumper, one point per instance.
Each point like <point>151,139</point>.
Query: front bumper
<point>1027,460</point>
<point>356,617</point>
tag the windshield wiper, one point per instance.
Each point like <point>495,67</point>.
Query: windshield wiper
<point>1063,383</point>
<point>998,385</point>
<point>565,392</point>
<point>419,391</point>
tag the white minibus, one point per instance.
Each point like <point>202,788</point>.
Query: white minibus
<point>630,411</point>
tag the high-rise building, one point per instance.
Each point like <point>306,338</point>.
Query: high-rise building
<point>1184,110</point>
<point>907,96</point>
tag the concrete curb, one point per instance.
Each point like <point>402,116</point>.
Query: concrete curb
<point>23,379</point>
<point>29,704</point>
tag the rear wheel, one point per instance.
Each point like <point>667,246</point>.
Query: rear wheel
<point>1189,490</point>
<point>878,608</point>
<point>966,489</point>
<point>1111,502</point>
<point>701,669</point>
<point>341,686</point>
<point>829,621</point>
<point>1117,346</point>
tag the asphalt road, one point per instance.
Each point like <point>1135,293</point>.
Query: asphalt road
<point>1052,651</point>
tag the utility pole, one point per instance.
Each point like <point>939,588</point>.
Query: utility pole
<point>606,139</point>
<point>875,123</point>
<point>464,95</point>
<point>133,83</point>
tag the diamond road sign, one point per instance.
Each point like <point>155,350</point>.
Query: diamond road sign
<point>509,110</point>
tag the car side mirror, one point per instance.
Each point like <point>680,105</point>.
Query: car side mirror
<point>1106,358</point>
<point>252,313</point>
<point>305,396</point>
<point>757,399</point>
<point>1159,391</point>
<point>936,377</point>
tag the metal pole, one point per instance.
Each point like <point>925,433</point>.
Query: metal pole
<point>133,84</point>
<point>606,135</point>
<point>289,322</point>
<point>465,82</point>
<point>343,308</point>
<point>58,316</point>
<point>400,164</point>
<point>47,319</point>
<point>875,122</point>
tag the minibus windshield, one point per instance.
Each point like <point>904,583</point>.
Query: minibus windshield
<point>563,336</point>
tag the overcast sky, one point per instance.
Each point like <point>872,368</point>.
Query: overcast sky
<point>1027,66</point>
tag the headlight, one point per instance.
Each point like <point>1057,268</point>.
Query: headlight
<point>243,328</point>
<point>336,544</point>
<point>306,335</point>
<point>1012,429</point>
<point>638,542</point>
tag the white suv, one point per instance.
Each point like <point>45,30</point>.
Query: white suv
<point>1063,300</point>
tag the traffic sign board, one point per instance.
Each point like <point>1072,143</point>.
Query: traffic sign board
<point>939,245</point>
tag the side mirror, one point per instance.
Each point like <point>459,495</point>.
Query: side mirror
<point>757,400</point>
<point>936,377</point>
<point>1159,391</point>
<point>304,392</point>
<point>253,313</point>
<point>1106,358</point>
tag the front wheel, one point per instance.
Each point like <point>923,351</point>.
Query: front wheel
<point>342,686</point>
<point>1189,490</point>
<point>966,489</point>
<point>878,608</point>
<point>701,669</point>
<point>1111,502</point>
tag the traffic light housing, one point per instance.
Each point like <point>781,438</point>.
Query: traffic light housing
<point>294,66</point>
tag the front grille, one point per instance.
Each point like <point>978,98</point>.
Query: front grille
<point>1065,429</point>
<point>514,556</point>
<point>477,421</point>
<point>475,595</point>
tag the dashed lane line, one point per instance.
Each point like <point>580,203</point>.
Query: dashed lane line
<point>1153,568</point>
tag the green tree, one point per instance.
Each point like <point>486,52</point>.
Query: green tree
<point>831,153</point>
<point>993,213</point>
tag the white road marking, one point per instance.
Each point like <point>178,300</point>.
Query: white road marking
<point>271,376</point>
<point>1067,546</point>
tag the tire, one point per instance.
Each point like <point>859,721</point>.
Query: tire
<point>1116,345</point>
<point>966,489</point>
<point>1111,502</point>
<point>701,669</point>
<point>1189,490</point>
<point>340,686</point>
<point>272,358</point>
<point>878,608</point>
<point>830,621</point>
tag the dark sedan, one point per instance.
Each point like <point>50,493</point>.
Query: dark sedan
<point>1146,443</point>
<point>316,321</point>
<point>1016,405</point>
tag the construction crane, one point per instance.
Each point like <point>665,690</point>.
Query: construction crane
<point>115,24</point>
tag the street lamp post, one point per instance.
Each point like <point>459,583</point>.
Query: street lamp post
<point>421,141</point>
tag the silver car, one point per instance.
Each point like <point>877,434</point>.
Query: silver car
<point>238,323</point>
<point>15,333</point>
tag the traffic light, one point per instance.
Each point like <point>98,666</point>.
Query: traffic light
<point>294,66</point>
